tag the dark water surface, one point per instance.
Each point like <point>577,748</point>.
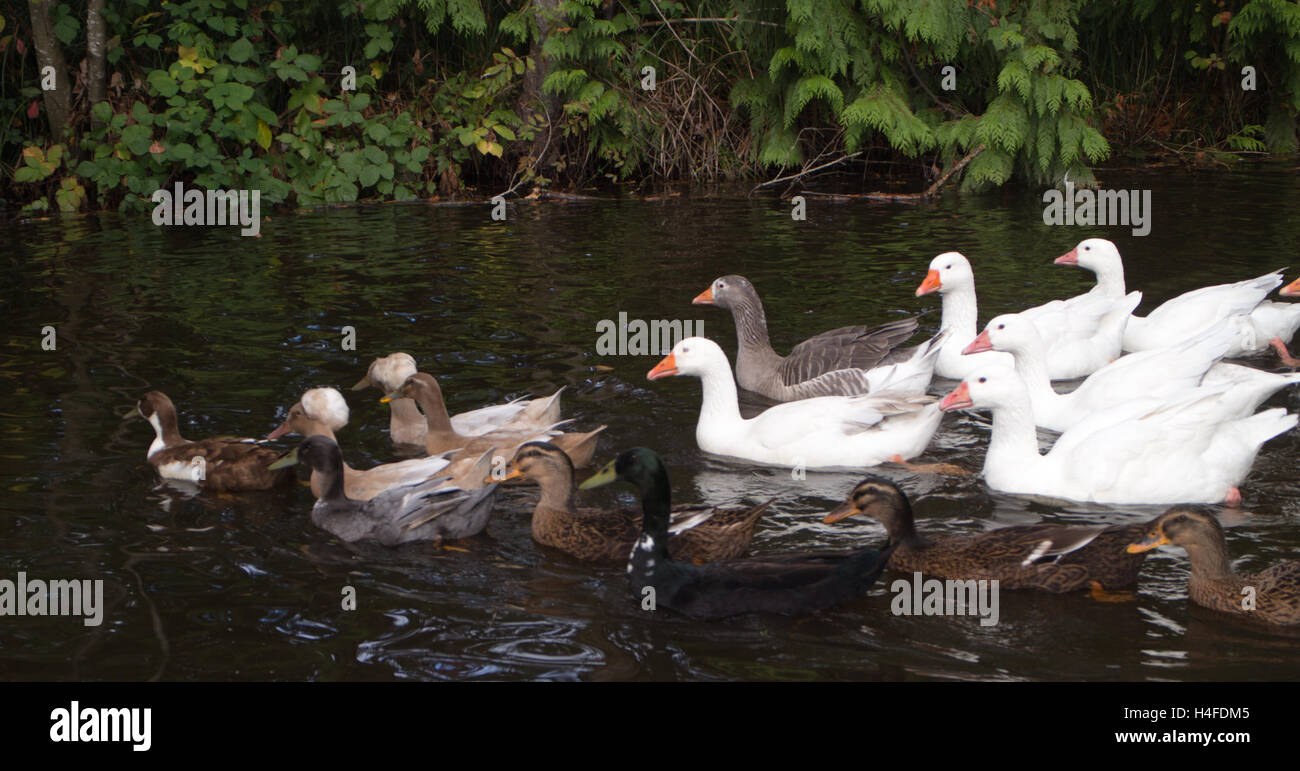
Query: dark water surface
<point>234,329</point>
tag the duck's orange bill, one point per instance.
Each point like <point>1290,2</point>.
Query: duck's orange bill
<point>843,511</point>
<point>959,399</point>
<point>514,474</point>
<point>665,368</point>
<point>279,432</point>
<point>930,284</point>
<point>980,344</point>
<point>1148,543</point>
<point>704,298</point>
<point>1069,258</point>
<point>1291,290</point>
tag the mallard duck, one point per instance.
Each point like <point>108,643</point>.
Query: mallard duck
<point>1240,306</point>
<point>427,511</point>
<point>823,433</point>
<point>1049,558</point>
<point>842,362</point>
<point>442,436</point>
<point>1271,596</point>
<point>407,426</point>
<point>696,533</point>
<point>790,584</point>
<point>322,411</point>
<point>220,464</point>
<point>1131,454</point>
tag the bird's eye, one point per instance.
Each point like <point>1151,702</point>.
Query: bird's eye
<point>984,380</point>
<point>1087,248</point>
<point>1002,326</point>
<point>947,267</point>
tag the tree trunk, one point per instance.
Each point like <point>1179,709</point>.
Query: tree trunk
<point>547,12</point>
<point>96,71</point>
<point>58,102</point>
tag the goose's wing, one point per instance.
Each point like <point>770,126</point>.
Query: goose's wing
<point>845,348</point>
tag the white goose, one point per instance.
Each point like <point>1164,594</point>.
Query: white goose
<point>1174,454</point>
<point>1242,305</point>
<point>825,432</point>
<point>1063,326</point>
<point>1160,376</point>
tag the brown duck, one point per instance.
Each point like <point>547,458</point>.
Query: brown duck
<point>1271,596</point>
<point>441,436</point>
<point>220,464</point>
<point>696,533</point>
<point>848,351</point>
<point>1049,558</point>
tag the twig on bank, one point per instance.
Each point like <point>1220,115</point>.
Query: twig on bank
<point>806,171</point>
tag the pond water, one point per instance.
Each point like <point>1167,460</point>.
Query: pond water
<point>234,329</point>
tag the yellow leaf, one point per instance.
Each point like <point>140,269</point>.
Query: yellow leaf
<point>263,134</point>
<point>484,146</point>
<point>376,70</point>
<point>494,148</point>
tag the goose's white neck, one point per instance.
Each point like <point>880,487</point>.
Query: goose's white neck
<point>1031,368</point>
<point>1110,279</point>
<point>959,314</point>
<point>1013,447</point>
<point>719,410</point>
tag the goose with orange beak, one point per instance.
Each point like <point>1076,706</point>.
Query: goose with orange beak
<point>827,432</point>
<point>1133,454</point>
<point>842,362</point>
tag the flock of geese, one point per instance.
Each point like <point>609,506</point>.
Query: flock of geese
<point>1158,417</point>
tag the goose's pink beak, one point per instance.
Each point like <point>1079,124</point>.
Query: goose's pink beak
<point>959,399</point>
<point>1069,258</point>
<point>279,432</point>
<point>980,344</point>
<point>1291,290</point>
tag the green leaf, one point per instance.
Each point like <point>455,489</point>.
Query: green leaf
<point>240,51</point>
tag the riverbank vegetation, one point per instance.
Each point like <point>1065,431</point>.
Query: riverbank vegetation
<point>341,100</point>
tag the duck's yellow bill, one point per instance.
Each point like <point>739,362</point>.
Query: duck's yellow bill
<point>1148,543</point>
<point>514,474</point>
<point>602,477</point>
<point>285,461</point>
<point>389,397</point>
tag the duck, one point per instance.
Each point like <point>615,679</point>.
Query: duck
<point>788,584</point>
<point>1064,331</point>
<point>1047,558</point>
<point>1270,597</point>
<point>407,426</point>
<point>826,432</point>
<point>1163,374</point>
<point>220,464</point>
<point>842,362</point>
<point>441,436</point>
<point>1168,454</point>
<point>425,511</point>
<point>1240,305</point>
<point>322,412</point>
<point>697,533</point>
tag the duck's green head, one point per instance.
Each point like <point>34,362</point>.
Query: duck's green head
<point>639,466</point>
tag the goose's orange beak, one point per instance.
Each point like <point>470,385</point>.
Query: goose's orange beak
<point>665,368</point>
<point>959,399</point>
<point>704,298</point>
<point>1069,258</point>
<point>980,344</point>
<point>1291,290</point>
<point>930,284</point>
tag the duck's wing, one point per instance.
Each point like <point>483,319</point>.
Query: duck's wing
<point>857,347</point>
